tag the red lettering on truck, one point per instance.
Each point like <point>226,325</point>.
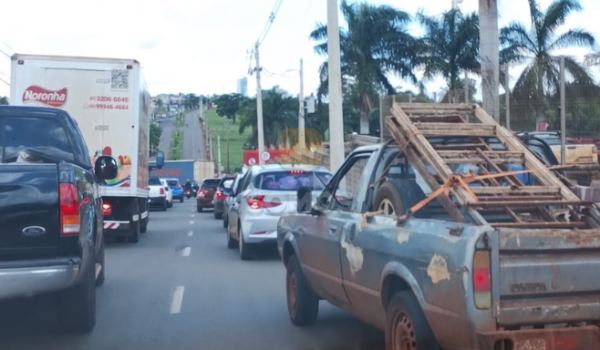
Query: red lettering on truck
<point>51,98</point>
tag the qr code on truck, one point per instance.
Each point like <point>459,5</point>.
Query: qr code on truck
<point>119,79</point>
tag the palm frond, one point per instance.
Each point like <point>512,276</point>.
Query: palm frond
<point>555,16</point>
<point>573,38</point>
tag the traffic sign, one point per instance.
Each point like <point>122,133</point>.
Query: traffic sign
<point>265,156</point>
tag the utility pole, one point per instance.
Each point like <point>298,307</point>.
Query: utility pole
<point>302,140</point>
<point>259,111</point>
<point>336,117</point>
<point>489,44</point>
<point>228,127</point>
<point>219,154</point>
<point>563,123</point>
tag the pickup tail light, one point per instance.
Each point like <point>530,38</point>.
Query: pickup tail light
<point>482,286</point>
<point>106,209</point>
<point>70,221</point>
<point>258,202</point>
<point>162,190</point>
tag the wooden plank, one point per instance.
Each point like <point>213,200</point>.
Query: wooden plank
<point>515,190</point>
<point>542,224</point>
<point>531,162</point>
<point>435,118</point>
<point>525,203</point>
<point>410,107</point>
<point>401,121</point>
<point>456,129</point>
<point>498,157</point>
<point>419,166</point>
<point>459,147</point>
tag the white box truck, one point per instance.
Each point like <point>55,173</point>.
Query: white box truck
<point>109,100</point>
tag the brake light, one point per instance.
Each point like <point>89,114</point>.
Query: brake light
<point>162,190</point>
<point>70,221</point>
<point>201,194</point>
<point>220,195</point>
<point>106,209</point>
<point>258,202</point>
<point>482,285</point>
<point>296,172</point>
<point>178,185</point>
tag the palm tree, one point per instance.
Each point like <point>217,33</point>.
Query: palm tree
<point>535,47</point>
<point>450,46</point>
<point>375,44</point>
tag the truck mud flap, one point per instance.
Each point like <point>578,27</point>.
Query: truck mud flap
<point>570,338</point>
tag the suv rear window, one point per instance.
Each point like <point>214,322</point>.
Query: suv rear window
<point>291,180</point>
<point>154,181</point>
<point>208,184</point>
<point>226,183</point>
<point>42,139</point>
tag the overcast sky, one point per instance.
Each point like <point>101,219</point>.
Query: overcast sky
<point>200,46</point>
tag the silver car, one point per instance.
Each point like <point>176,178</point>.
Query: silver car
<point>262,195</point>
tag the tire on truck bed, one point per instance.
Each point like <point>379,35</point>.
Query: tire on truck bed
<point>396,196</point>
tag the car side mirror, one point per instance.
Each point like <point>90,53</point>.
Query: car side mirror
<point>106,168</point>
<point>304,200</point>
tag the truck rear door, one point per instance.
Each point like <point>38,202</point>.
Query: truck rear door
<point>547,276</point>
<point>29,192</point>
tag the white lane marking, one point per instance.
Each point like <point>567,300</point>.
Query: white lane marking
<point>191,233</point>
<point>177,299</point>
<point>186,251</point>
<point>191,222</point>
<point>193,215</point>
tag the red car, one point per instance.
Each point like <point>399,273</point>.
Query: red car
<point>206,193</point>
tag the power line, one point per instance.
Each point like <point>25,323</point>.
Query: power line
<point>10,48</point>
<point>272,16</point>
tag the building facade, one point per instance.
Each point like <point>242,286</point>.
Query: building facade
<point>242,86</point>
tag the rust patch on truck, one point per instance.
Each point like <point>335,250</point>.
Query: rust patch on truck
<point>354,256</point>
<point>438,269</point>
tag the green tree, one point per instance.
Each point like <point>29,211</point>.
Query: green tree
<point>375,44</point>
<point>535,48</point>
<point>280,112</point>
<point>155,134</point>
<point>450,46</point>
<point>160,105</point>
<point>228,105</point>
<point>191,101</point>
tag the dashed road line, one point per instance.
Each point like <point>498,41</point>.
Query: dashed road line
<point>191,233</point>
<point>177,299</point>
<point>191,222</point>
<point>186,251</point>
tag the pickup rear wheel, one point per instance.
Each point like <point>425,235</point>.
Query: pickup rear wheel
<point>77,305</point>
<point>395,197</point>
<point>303,304</point>
<point>406,327</point>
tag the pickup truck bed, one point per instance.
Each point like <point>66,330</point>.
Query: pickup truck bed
<point>446,245</point>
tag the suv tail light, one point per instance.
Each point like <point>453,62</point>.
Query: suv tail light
<point>106,209</point>
<point>201,193</point>
<point>70,221</point>
<point>482,285</point>
<point>258,202</point>
<point>162,190</point>
<point>178,185</point>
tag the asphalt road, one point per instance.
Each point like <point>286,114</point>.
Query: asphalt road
<point>193,138</point>
<point>181,288</point>
<point>167,125</point>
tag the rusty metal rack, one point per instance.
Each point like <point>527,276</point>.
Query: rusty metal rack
<point>499,190</point>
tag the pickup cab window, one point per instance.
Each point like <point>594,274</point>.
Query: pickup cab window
<point>36,139</point>
<point>350,187</point>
